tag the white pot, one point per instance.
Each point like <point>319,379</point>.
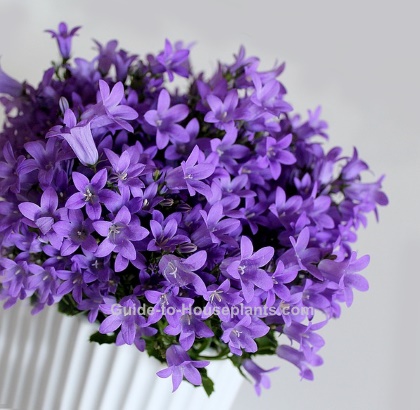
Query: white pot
<point>48,363</point>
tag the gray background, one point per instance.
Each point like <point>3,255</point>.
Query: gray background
<point>360,61</point>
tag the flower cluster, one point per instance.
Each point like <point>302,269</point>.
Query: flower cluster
<point>117,189</point>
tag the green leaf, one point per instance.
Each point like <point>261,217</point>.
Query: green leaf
<point>267,344</point>
<point>103,339</point>
<point>68,306</point>
<point>208,384</point>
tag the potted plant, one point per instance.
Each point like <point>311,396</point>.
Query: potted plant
<point>197,218</point>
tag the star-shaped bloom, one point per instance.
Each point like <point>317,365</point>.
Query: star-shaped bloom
<point>219,299</point>
<point>77,233</point>
<point>190,175</point>
<point>126,319</point>
<point>13,171</point>
<point>44,215</point>
<point>180,365</point>
<point>345,274</point>
<point>181,272</point>
<point>240,334</point>
<point>247,268</point>
<point>223,113</point>
<point>165,118</point>
<point>174,59</point>
<point>275,154</point>
<point>119,237</point>
<point>164,233</point>
<point>109,110</point>
<point>92,194</point>
<point>189,327</point>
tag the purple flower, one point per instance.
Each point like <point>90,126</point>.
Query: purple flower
<point>228,151</point>
<point>45,282</point>
<point>219,299</point>
<point>77,233</point>
<point>12,170</point>
<point>283,208</point>
<point>189,327</point>
<point>220,230</point>
<point>14,276</point>
<point>117,186</point>
<point>64,38</point>
<point>345,274</point>
<point>142,330</point>
<point>94,269</point>
<point>223,113</point>
<point>240,334</point>
<point>174,59</point>
<point>44,215</point>
<point>268,97</point>
<point>9,85</point>
<point>280,278</point>
<point>109,109</point>
<point>275,154</point>
<point>180,272</point>
<point>190,175</point>
<point>73,281</point>
<point>126,172</point>
<point>92,303</point>
<point>259,374</point>
<point>106,55</point>
<point>180,365</point>
<point>309,341</point>
<point>91,194</point>
<point>299,360</point>
<point>305,257</point>
<point>165,119</point>
<point>167,303</point>
<point>119,236</point>
<point>247,270</point>
<point>165,233</point>
<point>80,139</point>
<point>125,316</point>
<point>353,167</point>
<point>46,159</point>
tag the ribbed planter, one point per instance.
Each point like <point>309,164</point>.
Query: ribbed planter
<point>48,363</point>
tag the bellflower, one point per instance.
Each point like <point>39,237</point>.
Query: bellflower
<point>258,374</point>
<point>64,38</point>
<point>91,194</point>
<point>44,215</point>
<point>180,272</point>
<point>223,113</point>
<point>81,142</point>
<point>126,171</point>
<point>9,85</point>
<point>77,232</point>
<point>275,154</point>
<point>180,365</point>
<point>213,215</point>
<point>247,268</point>
<point>109,110</point>
<point>174,59</point>
<point>127,319</point>
<point>119,236</point>
<point>190,175</point>
<point>165,118</point>
<point>189,327</point>
<point>240,334</point>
